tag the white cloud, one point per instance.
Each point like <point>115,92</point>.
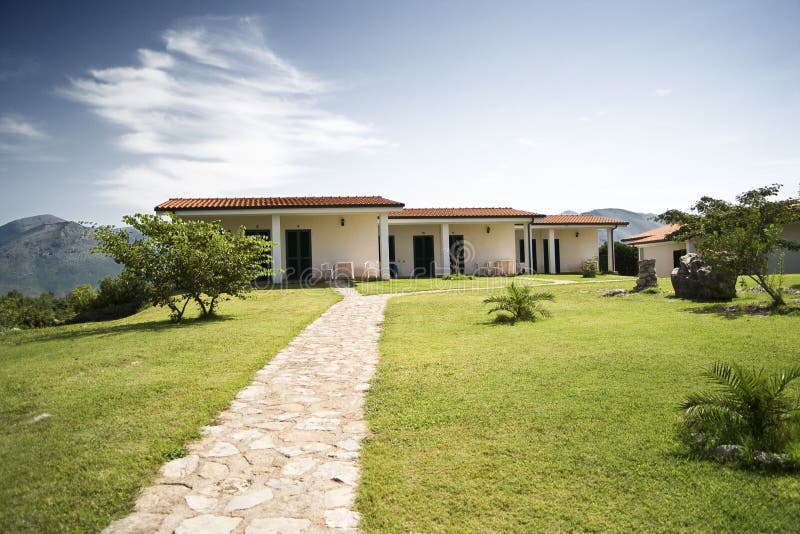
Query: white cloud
<point>662,92</point>
<point>19,127</point>
<point>584,118</point>
<point>527,141</point>
<point>216,112</point>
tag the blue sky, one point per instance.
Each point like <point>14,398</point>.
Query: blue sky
<point>109,108</point>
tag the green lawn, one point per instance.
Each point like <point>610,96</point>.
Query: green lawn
<point>564,424</point>
<point>411,285</point>
<point>122,395</point>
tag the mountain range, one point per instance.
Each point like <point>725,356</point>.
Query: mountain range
<point>46,253</point>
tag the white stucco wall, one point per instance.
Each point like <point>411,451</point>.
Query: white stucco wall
<point>791,259</point>
<point>356,241</point>
<point>572,250</point>
<point>662,253</point>
<point>479,247</point>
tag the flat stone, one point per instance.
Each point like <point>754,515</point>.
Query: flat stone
<point>341,518</point>
<point>213,471</point>
<point>161,499</point>
<point>349,445</point>
<point>201,503</point>
<point>222,449</point>
<point>274,525</point>
<point>180,467</point>
<point>319,423</point>
<point>244,435</point>
<point>343,472</point>
<point>291,452</point>
<point>262,443</point>
<point>249,500</point>
<point>339,498</point>
<point>208,524</point>
<point>135,523</point>
<point>298,467</point>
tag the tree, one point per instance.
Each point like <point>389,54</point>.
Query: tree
<point>520,303</point>
<point>748,408</point>
<point>181,261</point>
<point>738,239</point>
<point>626,258</point>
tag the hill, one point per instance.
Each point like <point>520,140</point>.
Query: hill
<point>45,253</point>
<point>639,222</point>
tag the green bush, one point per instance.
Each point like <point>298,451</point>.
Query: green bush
<point>20,311</point>
<point>626,258</point>
<point>519,303</point>
<point>746,408</point>
<point>589,268</point>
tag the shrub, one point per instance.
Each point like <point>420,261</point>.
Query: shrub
<point>626,258</point>
<point>589,268</point>
<point>747,408</point>
<point>457,276</point>
<point>116,297</point>
<point>20,311</point>
<point>519,303</point>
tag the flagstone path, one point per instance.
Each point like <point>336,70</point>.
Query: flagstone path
<point>284,456</point>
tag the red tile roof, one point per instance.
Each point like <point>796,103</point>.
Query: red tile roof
<point>591,220</point>
<point>277,202</point>
<point>456,213</point>
<point>656,235</point>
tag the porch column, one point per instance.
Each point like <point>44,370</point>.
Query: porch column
<point>641,254</point>
<point>277,260</point>
<point>551,239</point>
<point>528,250</point>
<point>383,240</point>
<point>445,249</point>
<point>612,267</point>
<point>689,246</point>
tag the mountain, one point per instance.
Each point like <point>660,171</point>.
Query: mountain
<point>639,222</point>
<point>46,253</point>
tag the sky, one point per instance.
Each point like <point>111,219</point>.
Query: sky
<point>109,108</point>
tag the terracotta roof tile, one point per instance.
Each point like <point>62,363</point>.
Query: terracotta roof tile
<point>276,202</point>
<point>578,219</point>
<point>443,213</point>
<point>656,235</point>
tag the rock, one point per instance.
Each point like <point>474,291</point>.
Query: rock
<point>222,449</point>
<point>769,458</point>
<point>136,522</point>
<point>693,279</point>
<point>339,498</point>
<point>341,518</point>
<point>201,503</point>
<point>208,524</point>
<point>213,471</point>
<point>728,451</point>
<point>41,417</point>
<point>161,499</point>
<point>249,500</point>
<point>298,467</point>
<point>180,467</point>
<point>615,292</point>
<point>349,445</point>
<point>647,275</point>
<point>343,472</point>
<point>262,443</point>
<point>277,525</point>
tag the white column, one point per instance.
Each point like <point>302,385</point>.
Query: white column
<point>528,253</point>
<point>383,240</point>
<point>445,249</point>
<point>277,256</point>
<point>641,254</point>
<point>612,268</point>
<point>551,238</point>
<point>689,246</point>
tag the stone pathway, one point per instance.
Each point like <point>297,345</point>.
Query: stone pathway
<point>284,456</point>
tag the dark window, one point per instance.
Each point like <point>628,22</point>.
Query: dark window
<point>522,251</point>
<point>391,248</point>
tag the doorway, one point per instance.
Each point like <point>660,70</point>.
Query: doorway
<point>424,265</point>
<point>546,243</point>
<point>298,254</point>
<point>456,254</point>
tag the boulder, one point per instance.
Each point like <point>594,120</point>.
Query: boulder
<point>647,275</point>
<point>694,279</point>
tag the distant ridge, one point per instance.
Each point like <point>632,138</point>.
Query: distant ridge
<point>639,222</point>
<point>45,253</point>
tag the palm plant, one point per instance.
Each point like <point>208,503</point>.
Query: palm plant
<point>519,303</point>
<point>747,407</point>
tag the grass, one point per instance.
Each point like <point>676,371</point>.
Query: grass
<point>564,424</point>
<point>124,396</point>
<point>412,285</point>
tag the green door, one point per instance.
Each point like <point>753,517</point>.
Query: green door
<point>298,254</point>
<point>546,243</point>
<point>423,256</point>
<point>267,263</point>
<point>457,254</point>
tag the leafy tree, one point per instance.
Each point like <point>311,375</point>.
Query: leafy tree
<point>182,261</point>
<point>738,239</point>
<point>747,407</point>
<point>520,303</point>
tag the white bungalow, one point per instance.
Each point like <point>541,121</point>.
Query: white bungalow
<point>373,237</point>
<point>573,238</point>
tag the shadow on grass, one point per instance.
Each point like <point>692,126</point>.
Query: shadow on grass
<point>77,332</point>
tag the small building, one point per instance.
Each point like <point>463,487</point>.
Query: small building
<point>573,238</point>
<point>655,245</point>
<point>372,237</point>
